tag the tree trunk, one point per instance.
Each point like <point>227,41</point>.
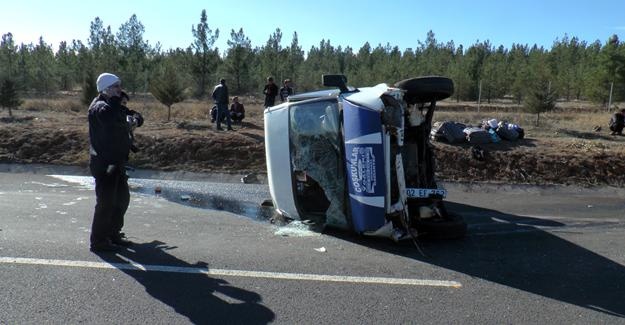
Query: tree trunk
<point>168,113</point>
<point>537,119</point>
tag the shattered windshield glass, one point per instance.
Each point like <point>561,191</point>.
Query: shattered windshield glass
<point>316,161</point>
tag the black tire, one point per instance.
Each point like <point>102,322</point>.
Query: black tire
<point>426,89</point>
<point>452,227</point>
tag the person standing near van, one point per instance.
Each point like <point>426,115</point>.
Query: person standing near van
<point>286,90</point>
<point>270,91</point>
<point>110,145</point>
<point>220,96</point>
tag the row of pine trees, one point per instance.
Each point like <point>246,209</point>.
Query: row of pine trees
<point>571,69</point>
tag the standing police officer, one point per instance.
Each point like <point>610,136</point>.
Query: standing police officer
<point>220,96</point>
<point>110,143</point>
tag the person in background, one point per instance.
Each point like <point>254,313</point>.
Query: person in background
<point>617,122</point>
<point>237,111</point>
<point>110,144</point>
<point>220,96</point>
<point>270,91</point>
<point>286,90</point>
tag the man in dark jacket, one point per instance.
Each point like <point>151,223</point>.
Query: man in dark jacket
<point>110,143</point>
<point>220,96</point>
<point>270,91</point>
<point>286,90</point>
<point>617,122</point>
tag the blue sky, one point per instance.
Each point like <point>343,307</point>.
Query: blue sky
<point>345,23</point>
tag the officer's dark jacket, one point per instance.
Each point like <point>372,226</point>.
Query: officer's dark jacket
<point>108,134</point>
<point>220,95</point>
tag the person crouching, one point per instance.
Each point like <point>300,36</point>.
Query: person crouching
<point>617,123</point>
<point>237,111</point>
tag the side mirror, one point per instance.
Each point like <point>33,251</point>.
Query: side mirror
<point>335,80</point>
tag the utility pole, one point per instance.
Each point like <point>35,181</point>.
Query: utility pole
<point>610,98</point>
<point>479,97</point>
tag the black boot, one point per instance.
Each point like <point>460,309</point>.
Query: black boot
<point>105,246</point>
<point>121,240</point>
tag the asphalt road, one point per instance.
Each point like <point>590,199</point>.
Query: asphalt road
<point>533,255</point>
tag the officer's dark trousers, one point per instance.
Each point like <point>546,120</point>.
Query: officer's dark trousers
<point>112,198</point>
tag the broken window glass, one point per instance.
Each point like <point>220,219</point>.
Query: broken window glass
<point>316,162</point>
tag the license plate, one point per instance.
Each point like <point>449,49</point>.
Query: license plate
<point>424,192</point>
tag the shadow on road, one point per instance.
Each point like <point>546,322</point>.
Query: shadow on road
<point>513,251</point>
<point>192,295</point>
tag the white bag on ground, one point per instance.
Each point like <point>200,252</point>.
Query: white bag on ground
<point>493,123</point>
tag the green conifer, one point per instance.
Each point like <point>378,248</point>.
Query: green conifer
<point>9,96</point>
<point>89,89</point>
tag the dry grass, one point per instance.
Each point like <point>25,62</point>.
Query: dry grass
<point>64,105</point>
<point>150,108</point>
<point>571,120</point>
<point>189,110</point>
<point>549,125</point>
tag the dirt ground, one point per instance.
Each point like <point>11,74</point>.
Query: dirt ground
<point>49,137</point>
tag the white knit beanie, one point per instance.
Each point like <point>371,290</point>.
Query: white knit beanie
<point>106,80</point>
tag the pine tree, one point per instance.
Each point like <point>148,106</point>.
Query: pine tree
<point>8,56</point>
<point>407,64</point>
<point>458,70</point>
<point>474,59</point>
<point>134,54</point>
<point>236,63</point>
<point>43,68</point>
<point>89,89</point>
<point>494,75</point>
<point>9,97</point>
<point>204,56</point>
<point>362,66</point>
<point>103,47</point>
<point>66,62</point>
<point>540,99</point>
<point>295,58</point>
<point>270,56</point>
<point>168,88</point>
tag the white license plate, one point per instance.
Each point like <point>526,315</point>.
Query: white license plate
<point>424,192</point>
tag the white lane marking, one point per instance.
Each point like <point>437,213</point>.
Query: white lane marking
<point>235,273</point>
<point>516,218</point>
